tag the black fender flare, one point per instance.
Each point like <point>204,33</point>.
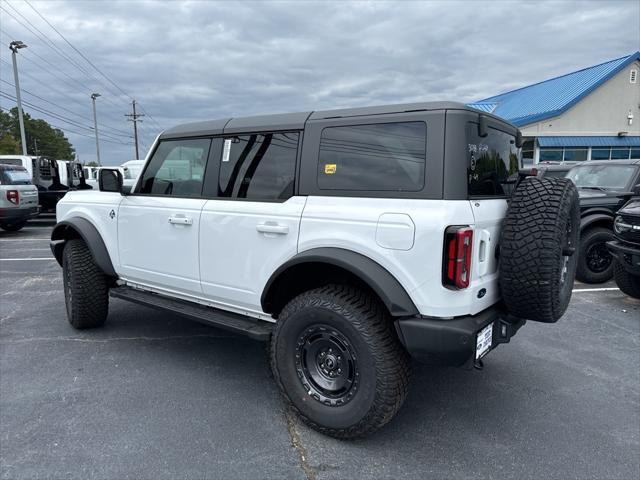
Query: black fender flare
<point>592,218</point>
<point>379,279</point>
<point>89,233</point>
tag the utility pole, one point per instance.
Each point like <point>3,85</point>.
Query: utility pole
<point>14,47</point>
<point>134,118</point>
<point>95,125</point>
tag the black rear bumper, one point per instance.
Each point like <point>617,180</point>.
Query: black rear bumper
<point>15,215</point>
<point>453,341</point>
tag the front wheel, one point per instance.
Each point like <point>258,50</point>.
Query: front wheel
<point>86,288</point>
<point>627,283</point>
<point>337,359</point>
<point>595,264</point>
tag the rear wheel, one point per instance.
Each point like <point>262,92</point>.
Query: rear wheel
<point>595,264</point>
<point>337,359</point>
<point>12,227</point>
<point>627,283</point>
<point>86,288</point>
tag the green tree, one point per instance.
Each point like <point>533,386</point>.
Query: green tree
<point>9,145</point>
<point>42,138</point>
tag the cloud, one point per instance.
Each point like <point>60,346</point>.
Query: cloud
<point>192,60</point>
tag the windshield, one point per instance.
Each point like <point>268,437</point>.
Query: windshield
<point>16,177</point>
<point>608,177</point>
<point>555,173</point>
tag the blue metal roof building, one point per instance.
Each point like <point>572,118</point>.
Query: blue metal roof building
<point>544,111</point>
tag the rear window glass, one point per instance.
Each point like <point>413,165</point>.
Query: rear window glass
<point>493,162</point>
<point>15,177</point>
<point>10,161</point>
<point>375,157</point>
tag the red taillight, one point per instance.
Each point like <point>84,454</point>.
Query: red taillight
<point>13,196</point>
<point>458,244</point>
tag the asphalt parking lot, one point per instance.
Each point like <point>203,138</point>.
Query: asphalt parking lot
<point>154,396</point>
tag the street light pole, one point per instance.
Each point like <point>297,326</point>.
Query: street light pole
<point>95,125</point>
<point>14,47</point>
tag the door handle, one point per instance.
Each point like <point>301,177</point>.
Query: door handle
<point>177,220</point>
<point>270,227</point>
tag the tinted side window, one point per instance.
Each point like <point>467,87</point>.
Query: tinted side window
<point>375,157</point>
<point>176,168</point>
<point>492,162</point>
<point>260,166</point>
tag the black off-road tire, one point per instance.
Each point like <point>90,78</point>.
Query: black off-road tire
<point>627,283</point>
<point>86,288</point>
<point>593,241</point>
<point>538,248</point>
<point>361,326</point>
<point>12,227</point>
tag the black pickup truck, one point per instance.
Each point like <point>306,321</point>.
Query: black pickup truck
<point>604,187</point>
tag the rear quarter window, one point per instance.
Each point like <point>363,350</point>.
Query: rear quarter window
<point>493,162</point>
<point>373,157</point>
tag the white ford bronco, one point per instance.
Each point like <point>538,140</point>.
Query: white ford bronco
<point>350,240</point>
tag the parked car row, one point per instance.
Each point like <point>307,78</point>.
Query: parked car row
<point>130,171</point>
<point>18,197</point>
<point>605,187</point>
<point>50,179</point>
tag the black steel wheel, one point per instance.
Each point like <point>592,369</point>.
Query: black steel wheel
<point>598,257</point>
<point>595,264</point>
<point>327,365</point>
<point>337,359</point>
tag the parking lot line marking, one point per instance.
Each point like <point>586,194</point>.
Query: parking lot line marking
<point>24,259</point>
<point>604,289</point>
<point>23,239</point>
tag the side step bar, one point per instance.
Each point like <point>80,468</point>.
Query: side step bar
<point>253,328</point>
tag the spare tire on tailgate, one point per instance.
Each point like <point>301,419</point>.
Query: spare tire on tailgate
<point>538,246</point>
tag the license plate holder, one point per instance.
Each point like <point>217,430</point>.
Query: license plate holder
<point>484,341</point>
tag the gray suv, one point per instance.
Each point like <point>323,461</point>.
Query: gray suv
<point>18,197</point>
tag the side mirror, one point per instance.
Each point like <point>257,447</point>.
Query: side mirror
<point>110,180</point>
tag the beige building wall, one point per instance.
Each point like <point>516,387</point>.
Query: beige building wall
<point>603,112</point>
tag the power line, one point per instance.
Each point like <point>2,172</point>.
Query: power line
<point>90,62</point>
<point>50,44</point>
<point>78,51</point>
<point>43,37</point>
<point>122,132</point>
<point>58,117</point>
<point>63,130</point>
<point>65,109</point>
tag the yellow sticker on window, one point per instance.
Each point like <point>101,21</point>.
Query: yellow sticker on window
<point>330,168</point>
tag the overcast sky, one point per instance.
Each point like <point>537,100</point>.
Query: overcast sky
<point>192,60</point>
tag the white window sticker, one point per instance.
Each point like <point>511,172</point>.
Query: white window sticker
<point>226,151</point>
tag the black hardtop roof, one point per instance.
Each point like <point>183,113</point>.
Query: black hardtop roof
<point>296,121</point>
